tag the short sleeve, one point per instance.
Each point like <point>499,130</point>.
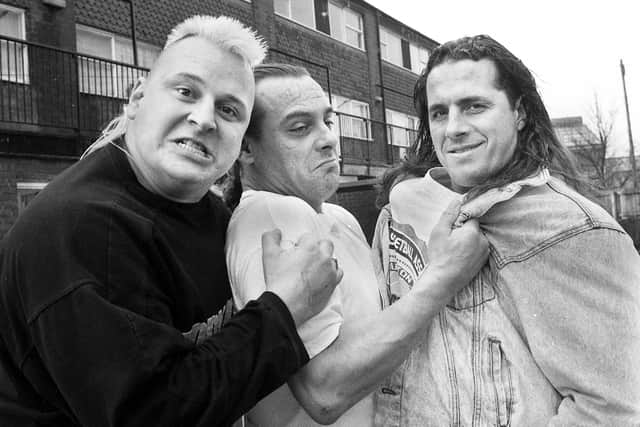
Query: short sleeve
<point>257,213</point>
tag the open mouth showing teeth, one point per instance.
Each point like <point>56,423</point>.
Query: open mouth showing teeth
<point>193,147</point>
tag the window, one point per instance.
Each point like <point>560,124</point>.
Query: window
<point>301,11</point>
<point>346,25</point>
<point>390,47</point>
<point>356,123</point>
<point>26,192</point>
<point>402,128</point>
<point>419,58</point>
<point>105,78</point>
<point>14,57</point>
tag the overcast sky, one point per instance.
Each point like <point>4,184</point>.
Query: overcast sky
<point>573,48</point>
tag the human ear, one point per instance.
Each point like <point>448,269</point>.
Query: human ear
<point>246,153</point>
<point>137,93</point>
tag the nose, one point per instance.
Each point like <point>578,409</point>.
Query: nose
<point>327,140</point>
<point>203,114</point>
<point>457,125</point>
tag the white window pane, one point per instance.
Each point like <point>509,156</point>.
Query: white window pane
<point>10,24</point>
<point>336,25</point>
<point>281,7</point>
<point>13,56</point>
<point>14,62</point>
<point>353,19</point>
<point>391,47</point>
<point>147,54</point>
<point>123,51</point>
<point>302,11</point>
<point>94,44</point>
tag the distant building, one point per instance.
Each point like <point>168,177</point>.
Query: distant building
<point>611,175</point>
<point>67,66</point>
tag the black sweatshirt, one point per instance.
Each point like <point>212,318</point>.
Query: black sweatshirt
<point>99,278</point>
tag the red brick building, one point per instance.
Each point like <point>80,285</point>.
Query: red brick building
<point>66,66</point>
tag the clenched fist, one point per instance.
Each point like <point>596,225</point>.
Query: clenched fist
<point>303,275</point>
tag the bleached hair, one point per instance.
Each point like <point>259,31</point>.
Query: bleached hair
<point>228,33</point>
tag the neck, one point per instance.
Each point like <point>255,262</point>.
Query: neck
<point>441,176</point>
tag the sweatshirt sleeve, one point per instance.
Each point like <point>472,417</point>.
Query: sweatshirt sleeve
<point>116,368</point>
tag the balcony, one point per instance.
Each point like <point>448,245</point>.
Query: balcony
<point>50,92</point>
<point>367,146</point>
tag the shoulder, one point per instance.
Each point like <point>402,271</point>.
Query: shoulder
<point>539,217</point>
<point>260,211</point>
<point>258,205</point>
<point>339,213</point>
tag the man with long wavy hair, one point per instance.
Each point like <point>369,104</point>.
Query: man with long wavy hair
<point>549,332</point>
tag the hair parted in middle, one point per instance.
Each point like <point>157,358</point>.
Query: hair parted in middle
<point>537,147</point>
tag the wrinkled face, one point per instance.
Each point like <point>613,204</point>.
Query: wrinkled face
<point>295,152</point>
<point>188,117</point>
<point>473,126</point>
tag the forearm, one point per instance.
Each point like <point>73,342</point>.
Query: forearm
<point>366,351</point>
<point>147,374</point>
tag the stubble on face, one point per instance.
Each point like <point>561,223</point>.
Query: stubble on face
<point>289,161</point>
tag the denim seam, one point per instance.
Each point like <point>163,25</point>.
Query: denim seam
<point>454,399</point>
<point>589,223</point>
<point>502,261</point>
<point>476,368</point>
<point>493,379</point>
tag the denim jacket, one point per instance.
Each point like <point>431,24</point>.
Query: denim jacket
<point>548,333</point>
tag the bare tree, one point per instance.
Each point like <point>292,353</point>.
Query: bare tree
<point>592,150</point>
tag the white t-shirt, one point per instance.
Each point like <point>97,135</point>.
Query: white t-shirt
<point>356,296</point>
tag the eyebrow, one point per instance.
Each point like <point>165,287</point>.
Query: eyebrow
<point>463,101</point>
<point>197,79</point>
<point>303,114</point>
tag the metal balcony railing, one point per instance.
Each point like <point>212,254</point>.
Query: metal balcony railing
<point>54,88</point>
<point>371,142</point>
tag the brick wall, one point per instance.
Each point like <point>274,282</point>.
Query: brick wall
<point>359,199</point>
<point>349,65</point>
<point>154,23</point>
<point>401,81</point>
<point>23,169</point>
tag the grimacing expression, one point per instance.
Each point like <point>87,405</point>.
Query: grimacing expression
<point>295,152</point>
<point>188,117</point>
<point>473,126</point>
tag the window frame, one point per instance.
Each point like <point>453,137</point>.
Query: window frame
<point>384,41</point>
<point>26,191</point>
<point>417,64</point>
<point>348,121</point>
<point>290,17</point>
<point>112,71</point>
<point>22,29</point>
<point>394,127</point>
<point>340,33</point>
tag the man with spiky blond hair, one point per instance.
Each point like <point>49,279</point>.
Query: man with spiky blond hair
<point>124,252</point>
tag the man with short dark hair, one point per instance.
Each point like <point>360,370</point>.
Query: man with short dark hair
<point>289,168</point>
<point>549,332</point>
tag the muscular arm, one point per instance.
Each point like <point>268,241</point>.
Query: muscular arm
<point>369,349</point>
<point>365,352</point>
